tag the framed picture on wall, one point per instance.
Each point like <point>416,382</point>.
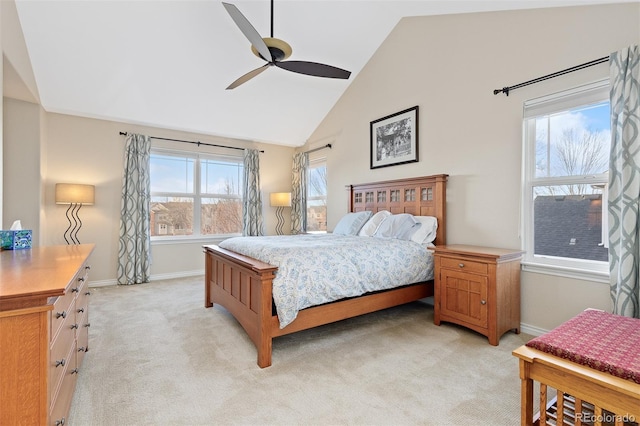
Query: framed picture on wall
<point>394,139</point>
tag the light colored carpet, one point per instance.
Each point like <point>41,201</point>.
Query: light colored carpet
<point>157,356</point>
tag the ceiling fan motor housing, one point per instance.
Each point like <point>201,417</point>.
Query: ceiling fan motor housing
<point>280,49</point>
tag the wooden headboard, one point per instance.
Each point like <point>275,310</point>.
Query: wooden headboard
<point>421,196</point>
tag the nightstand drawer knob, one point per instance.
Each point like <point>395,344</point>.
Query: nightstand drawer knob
<point>483,302</point>
<point>461,265</point>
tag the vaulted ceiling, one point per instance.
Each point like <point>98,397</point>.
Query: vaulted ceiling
<point>167,63</point>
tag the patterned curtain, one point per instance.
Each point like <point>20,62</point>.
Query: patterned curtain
<point>299,193</point>
<point>252,223</point>
<point>134,254</point>
<point>624,181</point>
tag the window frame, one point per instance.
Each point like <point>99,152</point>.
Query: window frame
<point>589,270</point>
<point>197,195</point>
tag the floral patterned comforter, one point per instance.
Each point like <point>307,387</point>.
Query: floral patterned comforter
<point>319,268</point>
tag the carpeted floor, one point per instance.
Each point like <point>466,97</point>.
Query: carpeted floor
<point>157,356</point>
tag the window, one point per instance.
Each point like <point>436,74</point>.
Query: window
<point>317,196</point>
<point>195,195</point>
<point>567,137</point>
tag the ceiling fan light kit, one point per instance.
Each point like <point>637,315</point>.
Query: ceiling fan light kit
<point>275,51</point>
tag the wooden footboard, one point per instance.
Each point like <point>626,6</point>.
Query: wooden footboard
<point>584,396</point>
<point>243,286</point>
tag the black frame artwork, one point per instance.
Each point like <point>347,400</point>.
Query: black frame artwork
<point>394,139</point>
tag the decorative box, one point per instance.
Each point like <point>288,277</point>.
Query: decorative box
<point>15,240</point>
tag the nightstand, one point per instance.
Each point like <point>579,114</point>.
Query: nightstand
<point>478,288</point>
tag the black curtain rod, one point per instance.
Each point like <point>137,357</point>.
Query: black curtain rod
<point>319,148</point>
<point>506,90</point>
<point>195,143</point>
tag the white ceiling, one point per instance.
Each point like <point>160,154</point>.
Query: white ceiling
<point>167,63</point>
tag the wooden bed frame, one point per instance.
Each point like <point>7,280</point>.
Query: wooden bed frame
<point>243,285</point>
<point>582,392</point>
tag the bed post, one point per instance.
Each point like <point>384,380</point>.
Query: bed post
<point>207,280</point>
<point>265,338</point>
<point>350,201</point>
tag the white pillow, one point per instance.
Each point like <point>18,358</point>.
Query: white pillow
<point>400,226</point>
<point>372,224</point>
<point>351,223</point>
<point>426,233</point>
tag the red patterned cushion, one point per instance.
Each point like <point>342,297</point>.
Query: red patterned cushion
<point>598,339</point>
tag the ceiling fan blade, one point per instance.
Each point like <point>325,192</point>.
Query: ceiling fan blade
<point>248,76</point>
<point>248,31</point>
<point>314,69</point>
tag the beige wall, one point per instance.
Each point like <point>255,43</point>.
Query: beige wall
<point>45,149</point>
<point>83,150</point>
<point>21,175</point>
<point>449,65</point>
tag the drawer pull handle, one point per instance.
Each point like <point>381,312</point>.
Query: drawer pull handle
<point>82,349</point>
<point>88,324</point>
<point>74,371</point>
<point>81,279</point>
<point>74,326</point>
<point>74,290</point>
<point>483,302</point>
<point>62,362</point>
<point>88,293</point>
<point>87,267</point>
<point>62,314</point>
<point>81,310</point>
<point>461,265</point>
<point>60,422</point>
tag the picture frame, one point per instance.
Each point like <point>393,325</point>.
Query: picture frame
<point>394,139</point>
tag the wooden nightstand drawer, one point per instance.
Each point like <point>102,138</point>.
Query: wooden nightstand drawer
<point>464,265</point>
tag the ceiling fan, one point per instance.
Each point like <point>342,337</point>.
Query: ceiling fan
<point>274,51</point>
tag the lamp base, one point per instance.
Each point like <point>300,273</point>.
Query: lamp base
<point>74,227</point>
<point>280,223</point>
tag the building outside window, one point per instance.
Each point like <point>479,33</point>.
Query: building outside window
<point>567,138</point>
<point>195,195</point>
<point>317,195</point>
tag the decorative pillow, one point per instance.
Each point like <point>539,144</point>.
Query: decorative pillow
<point>426,233</point>
<point>400,226</point>
<point>351,223</point>
<point>372,224</point>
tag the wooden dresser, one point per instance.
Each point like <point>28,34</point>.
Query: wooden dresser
<point>44,322</point>
<point>479,288</point>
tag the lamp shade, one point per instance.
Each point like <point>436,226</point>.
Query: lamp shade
<point>280,199</point>
<point>75,193</point>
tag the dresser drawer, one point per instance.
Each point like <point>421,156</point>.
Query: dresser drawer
<point>82,339</point>
<point>61,311</point>
<point>464,265</point>
<point>62,395</point>
<point>82,300</point>
<point>60,356</point>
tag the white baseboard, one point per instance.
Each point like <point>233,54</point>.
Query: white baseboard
<point>530,329</point>
<point>158,277</point>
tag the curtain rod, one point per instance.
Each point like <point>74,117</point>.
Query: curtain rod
<point>195,143</point>
<point>319,148</point>
<point>506,90</point>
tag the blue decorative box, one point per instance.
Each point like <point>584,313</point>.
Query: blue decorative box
<point>15,240</point>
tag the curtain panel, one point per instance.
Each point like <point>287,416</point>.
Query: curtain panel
<point>624,181</point>
<point>134,253</point>
<point>299,192</point>
<point>252,222</point>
